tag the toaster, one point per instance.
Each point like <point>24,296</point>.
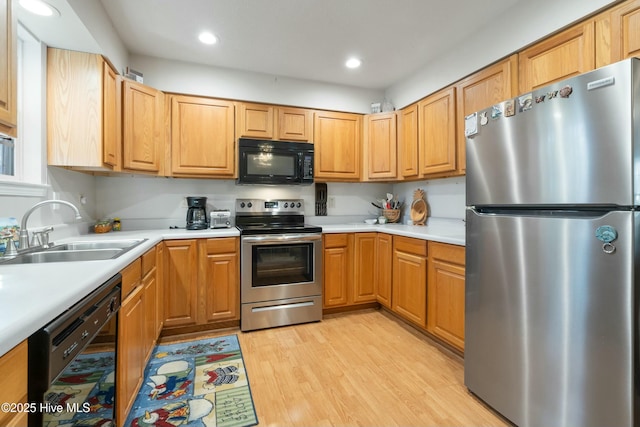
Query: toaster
<point>220,219</point>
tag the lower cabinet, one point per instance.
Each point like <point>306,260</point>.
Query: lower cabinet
<point>409,287</point>
<point>445,317</point>
<point>384,268</point>
<point>201,281</point>
<point>349,274</point>
<point>13,384</point>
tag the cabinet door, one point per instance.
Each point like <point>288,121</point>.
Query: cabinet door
<point>13,382</point>
<point>410,279</point>
<point>220,278</point>
<point>437,140</point>
<point>180,283</point>
<point>489,86</point>
<point>150,286</point>
<point>160,287</point>
<point>380,146</point>
<point>295,124</point>
<point>408,141</point>
<point>111,131</point>
<point>337,269</point>
<point>625,31</point>
<point>142,126</point>
<point>255,120</point>
<point>202,137</point>
<point>337,140</point>
<point>564,55</point>
<point>384,268</point>
<point>446,293</point>
<point>131,353</point>
<point>8,69</point>
<point>364,281</point>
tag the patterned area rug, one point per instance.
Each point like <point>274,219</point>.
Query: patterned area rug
<point>196,383</point>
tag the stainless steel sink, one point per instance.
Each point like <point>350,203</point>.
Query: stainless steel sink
<point>77,251</point>
<point>65,256</point>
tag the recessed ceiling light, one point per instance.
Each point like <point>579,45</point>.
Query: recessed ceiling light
<point>207,38</point>
<point>39,7</point>
<point>353,63</point>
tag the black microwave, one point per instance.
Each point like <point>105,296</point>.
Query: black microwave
<point>274,162</point>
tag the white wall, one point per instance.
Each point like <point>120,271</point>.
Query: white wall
<point>148,202</point>
<point>183,77</point>
<point>445,197</point>
<point>516,28</point>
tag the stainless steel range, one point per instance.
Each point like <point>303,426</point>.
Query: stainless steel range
<point>281,264</point>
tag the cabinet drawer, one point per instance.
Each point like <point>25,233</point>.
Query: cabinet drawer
<point>335,240</point>
<point>446,252</point>
<point>223,245</point>
<point>148,261</point>
<point>410,245</point>
<point>131,276</point>
<point>13,371</point>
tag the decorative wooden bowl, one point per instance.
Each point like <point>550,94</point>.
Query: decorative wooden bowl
<point>419,208</point>
<point>392,215</point>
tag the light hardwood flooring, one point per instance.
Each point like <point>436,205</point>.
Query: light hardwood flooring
<point>359,369</point>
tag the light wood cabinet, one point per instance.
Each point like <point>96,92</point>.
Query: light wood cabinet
<point>408,141</point>
<point>337,269</point>
<point>437,132</point>
<point>180,283</point>
<point>202,137</point>
<point>383,266</point>
<point>410,279</point>
<point>83,111</point>
<point>131,352</point>
<point>338,141</point>
<point>220,278</point>
<point>151,301</point>
<point>142,122</point>
<point>558,57</point>
<point>160,290</point>
<point>13,383</point>
<point>365,279</point>
<point>488,86</point>
<point>255,120</point>
<point>295,124</point>
<point>625,31</point>
<point>380,147</point>
<point>8,69</point>
<point>446,290</point>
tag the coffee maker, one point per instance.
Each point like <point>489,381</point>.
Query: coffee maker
<point>197,213</point>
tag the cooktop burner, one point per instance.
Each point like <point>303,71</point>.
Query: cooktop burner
<point>286,216</point>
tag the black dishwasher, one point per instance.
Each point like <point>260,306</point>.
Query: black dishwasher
<point>72,363</point>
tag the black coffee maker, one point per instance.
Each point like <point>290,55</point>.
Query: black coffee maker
<point>197,213</point>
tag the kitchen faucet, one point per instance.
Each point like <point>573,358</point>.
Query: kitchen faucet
<point>24,234</point>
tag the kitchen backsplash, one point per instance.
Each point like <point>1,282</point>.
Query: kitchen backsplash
<point>445,197</point>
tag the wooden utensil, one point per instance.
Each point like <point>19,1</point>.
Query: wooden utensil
<point>419,208</point>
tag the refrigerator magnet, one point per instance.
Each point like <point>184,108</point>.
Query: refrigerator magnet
<point>496,111</point>
<point>471,124</point>
<point>509,108</point>
<point>525,102</point>
<point>483,118</point>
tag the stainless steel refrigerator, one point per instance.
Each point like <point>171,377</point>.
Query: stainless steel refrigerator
<point>552,245</point>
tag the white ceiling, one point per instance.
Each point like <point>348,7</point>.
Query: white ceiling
<point>305,39</point>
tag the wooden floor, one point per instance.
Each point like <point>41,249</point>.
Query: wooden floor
<point>364,368</point>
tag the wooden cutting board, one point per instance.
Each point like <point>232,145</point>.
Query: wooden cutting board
<point>419,208</point>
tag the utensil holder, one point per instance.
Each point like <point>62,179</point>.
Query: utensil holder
<point>392,215</point>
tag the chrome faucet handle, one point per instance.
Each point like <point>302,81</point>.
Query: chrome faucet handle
<point>43,237</point>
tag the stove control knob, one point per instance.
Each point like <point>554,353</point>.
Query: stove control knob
<point>286,205</point>
<point>249,204</point>
<point>242,204</point>
<point>299,205</point>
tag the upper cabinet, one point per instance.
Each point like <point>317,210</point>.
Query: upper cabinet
<point>559,57</point>
<point>338,140</point>
<point>8,69</point>
<point>274,122</point>
<point>437,135</point>
<point>488,86</point>
<point>625,31</point>
<point>380,147</point>
<point>83,123</point>
<point>142,121</point>
<point>202,137</point>
<point>408,141</point>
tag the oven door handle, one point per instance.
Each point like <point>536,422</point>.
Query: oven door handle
<point>283,238</point>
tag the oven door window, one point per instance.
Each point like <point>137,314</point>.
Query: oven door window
<point>282,264</point>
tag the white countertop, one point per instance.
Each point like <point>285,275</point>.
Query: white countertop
<point>32,295</point>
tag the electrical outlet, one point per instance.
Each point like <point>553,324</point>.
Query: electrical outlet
<point>332,202</point>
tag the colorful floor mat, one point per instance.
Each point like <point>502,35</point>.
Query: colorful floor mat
<point>197,383</point>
